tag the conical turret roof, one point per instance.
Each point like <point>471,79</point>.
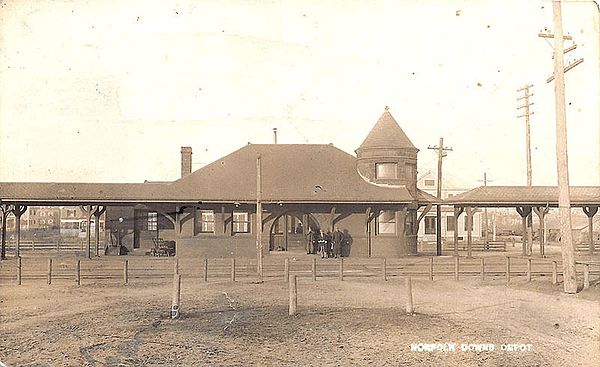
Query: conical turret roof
<point>386,134</point>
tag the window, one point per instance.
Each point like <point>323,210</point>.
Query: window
<point>206,221</point>
<point>386,222</point>
<point>450,223</point>
<point>241,222</point>
<point>430,183</point>
<point>386,170</point>
<point>152,221</point>
<point>430,225</point>
<point>70,213</point>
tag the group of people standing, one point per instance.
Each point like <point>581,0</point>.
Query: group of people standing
<point>327,244</point>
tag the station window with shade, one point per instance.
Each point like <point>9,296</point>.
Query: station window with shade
<point>386,222</point>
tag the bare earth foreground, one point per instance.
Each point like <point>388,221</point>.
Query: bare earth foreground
<point>354,322</point>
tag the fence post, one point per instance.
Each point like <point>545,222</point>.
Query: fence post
<point>431,268</point>
<point>78,272</point>
<point>286,270</point>
<point>586,276</point>
<point>293,295</point>
<point>529,270</point>
<point>176,296</point>
<point>206,270</point>
<point>233,269</point>
<point>19,270</point>
<point>176,266</point>
<point>554,272</point>
<point>57,242</point>
<point>409,297</point>
<point>126,271</point>
<point>456,267</point>
<point>314,269</point>
<point>507,270</point>
<point>384,269</point>
<point>49,271</point>
<point>341,269</point>
<point>482,268</point>
<point>33,245</point>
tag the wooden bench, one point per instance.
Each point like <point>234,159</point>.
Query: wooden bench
<point>162,248</point>
<point>584,247</point>
<point>478,246</point>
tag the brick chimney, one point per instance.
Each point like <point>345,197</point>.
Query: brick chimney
<point>186,161</point>
<point>274,135</point>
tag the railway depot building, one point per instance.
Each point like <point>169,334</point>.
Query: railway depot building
<point>371,197</point>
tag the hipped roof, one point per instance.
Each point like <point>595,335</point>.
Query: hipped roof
<point>290,173</point>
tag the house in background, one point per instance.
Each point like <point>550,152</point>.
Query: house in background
<point>427,228</point>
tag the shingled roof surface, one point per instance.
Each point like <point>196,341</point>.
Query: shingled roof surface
<point>79,192</point>
<point>290,172</point>
<point>525,195</point>
<point>386,134</point>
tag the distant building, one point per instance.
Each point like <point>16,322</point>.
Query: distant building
<point>427,228</point>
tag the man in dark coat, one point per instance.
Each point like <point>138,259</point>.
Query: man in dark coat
<point>337,239</point>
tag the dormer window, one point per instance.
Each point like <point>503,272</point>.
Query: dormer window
<point>386,170</point>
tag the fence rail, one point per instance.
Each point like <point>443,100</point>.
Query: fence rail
<point>130,269</point>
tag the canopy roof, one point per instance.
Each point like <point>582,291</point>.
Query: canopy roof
<point>506,196</point>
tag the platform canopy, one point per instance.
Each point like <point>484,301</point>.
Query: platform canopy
<point>519,196</point>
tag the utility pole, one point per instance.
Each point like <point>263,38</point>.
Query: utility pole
<point>485,213</point>
<point>441,151</point>
<point>562,163</point>
<point>526,105</point>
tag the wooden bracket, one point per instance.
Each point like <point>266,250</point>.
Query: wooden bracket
<point>590,211</point>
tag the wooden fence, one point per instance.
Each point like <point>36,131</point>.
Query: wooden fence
<point>45,247</point>
<point>132,269</point>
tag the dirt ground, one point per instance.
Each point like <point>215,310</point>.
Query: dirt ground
<point>354,322</point>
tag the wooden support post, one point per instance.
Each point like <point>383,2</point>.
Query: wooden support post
<point>206,270</point>
<point>78,272</point>
<point>529,270</point>
<point>409,296</point>
<point>586,276</point>
<point>431,268</point>
<point>314,269</point>
<point>507,270</point>
<point>57,245</point>
<point>590,212</point>
<point>175,305</point>
<point>341,274</point>
<point>19,270</point>
<point>469,220</point>
<point>457,213</point>
<point>293,287</point>
<point>49,271</point>
<point>456,267</point>
<point>554,272</point>
<point>175,266</point>
<point>286,270</point>
<point>126,271</point>
<point>233,270</point>
<point>384,269</point>
<point>482,268</point>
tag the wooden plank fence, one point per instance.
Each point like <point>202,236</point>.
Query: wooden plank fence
<point>126,270</point>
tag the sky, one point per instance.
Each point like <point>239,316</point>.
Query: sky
<point>109,90</point>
